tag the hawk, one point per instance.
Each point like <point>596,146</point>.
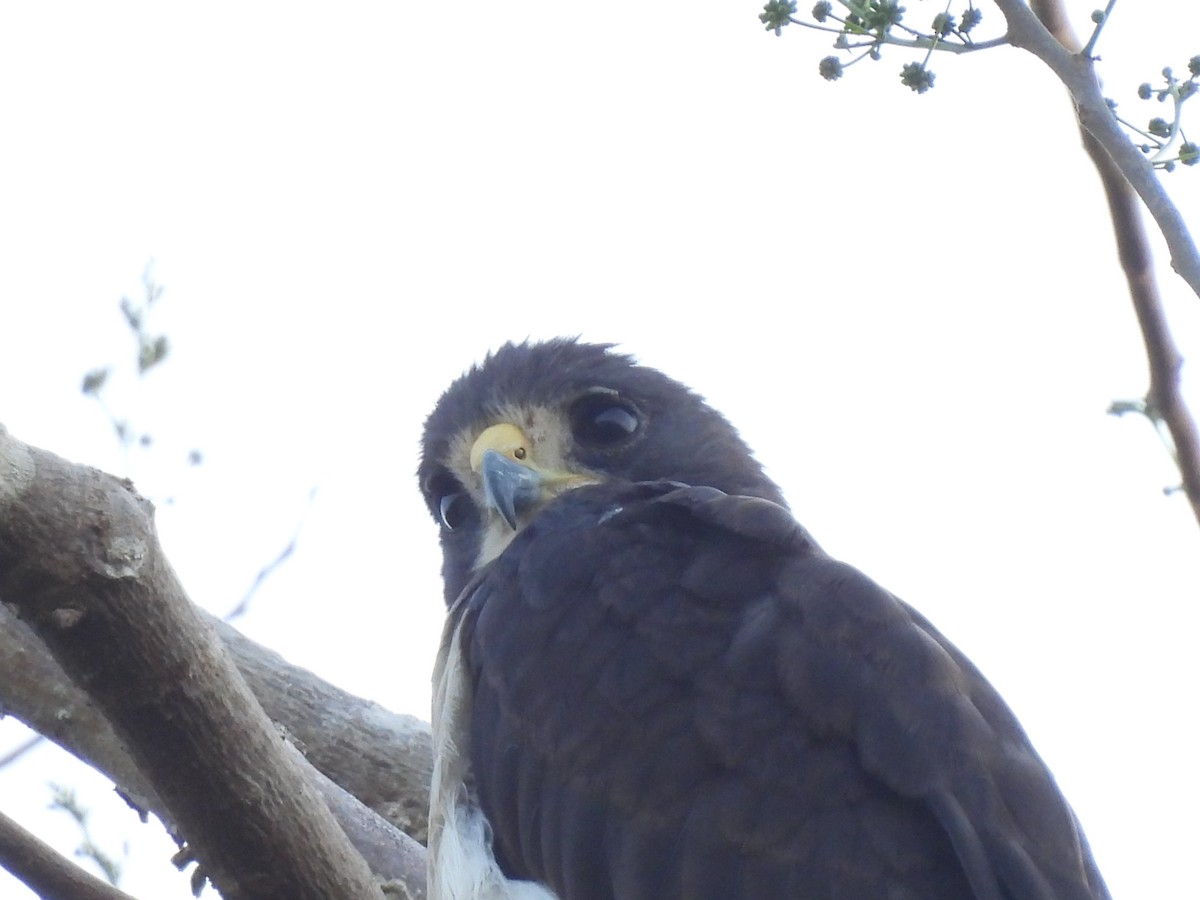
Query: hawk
<point>653,684</point>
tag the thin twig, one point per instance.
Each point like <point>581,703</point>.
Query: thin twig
<point>269,569</point>
<point>1126,175</point>
<point>20,750</point>
<point>1076,72</point>
<point>47,873</point>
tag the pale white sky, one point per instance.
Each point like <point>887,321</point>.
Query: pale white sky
<point>908,304</point>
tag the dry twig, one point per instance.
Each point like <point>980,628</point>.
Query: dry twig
<point>1043,30</point>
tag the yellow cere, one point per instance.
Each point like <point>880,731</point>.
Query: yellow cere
<point>504,438</point>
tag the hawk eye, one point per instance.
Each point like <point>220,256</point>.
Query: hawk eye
<point>452,505</point>
<point>454,509</point>
<point>604,420</point>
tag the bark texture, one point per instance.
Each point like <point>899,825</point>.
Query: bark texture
<point>80,564</point>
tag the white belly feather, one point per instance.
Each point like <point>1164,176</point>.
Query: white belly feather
<point>461,863</point>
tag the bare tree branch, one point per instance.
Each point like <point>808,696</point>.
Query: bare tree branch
<point>381,758</point>
<point>1077,73</point>
<point>46,872</point>
<point>393,856</point>
<point>1126,175</point>
<point>79,560</point>
<point>35,689</point>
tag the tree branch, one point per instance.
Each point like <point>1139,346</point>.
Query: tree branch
<point>35,690</point>
<point>80,562</point>
<point>1043,30</point>
<point>1025,30</point>
<point>382,758</point>
<point>46,872</point>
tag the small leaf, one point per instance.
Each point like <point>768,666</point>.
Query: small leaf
<point>94,380</point>
<point>152,352</point>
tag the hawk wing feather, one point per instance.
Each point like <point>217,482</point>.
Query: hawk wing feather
<point>677,694</point>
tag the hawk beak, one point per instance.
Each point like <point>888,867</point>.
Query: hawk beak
<point>509,487</point>
<point>511,483</point>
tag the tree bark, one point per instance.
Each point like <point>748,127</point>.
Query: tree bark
<point>45,871</point>
<point>382,758</point>
<point>80,563</point>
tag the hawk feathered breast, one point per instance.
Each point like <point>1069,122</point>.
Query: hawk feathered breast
<point>654,684</point>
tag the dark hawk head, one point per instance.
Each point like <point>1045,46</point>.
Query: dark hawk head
<point>535,420</point>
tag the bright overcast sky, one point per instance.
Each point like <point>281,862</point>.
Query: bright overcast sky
<point>909,305</point>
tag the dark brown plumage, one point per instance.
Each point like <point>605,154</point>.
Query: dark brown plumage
<point>672,692</point>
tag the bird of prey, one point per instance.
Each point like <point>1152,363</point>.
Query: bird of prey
<point>654,685</point>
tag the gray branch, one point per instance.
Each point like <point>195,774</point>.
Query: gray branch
<point>1078,75</point>
<point>175,723</point>
<point>1043,30</point>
